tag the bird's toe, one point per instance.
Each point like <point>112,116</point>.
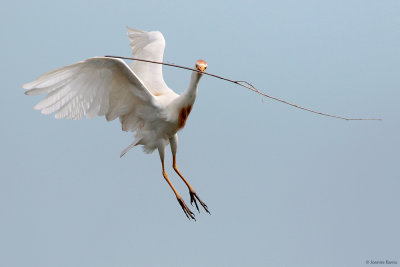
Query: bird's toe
<point>189,214</point>
<point>194,198</point>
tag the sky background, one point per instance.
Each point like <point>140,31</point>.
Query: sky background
<point>285,187</point>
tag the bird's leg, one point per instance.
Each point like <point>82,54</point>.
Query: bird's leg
<point>193,194</point>
<point>185,208</point>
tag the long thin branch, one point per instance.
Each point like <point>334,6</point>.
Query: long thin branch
<point>245,85</point>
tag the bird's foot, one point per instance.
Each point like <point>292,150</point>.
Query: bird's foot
<point>185,208</point>
<point>193,197</point>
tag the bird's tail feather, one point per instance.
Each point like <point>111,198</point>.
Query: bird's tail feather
<point>136,142</point>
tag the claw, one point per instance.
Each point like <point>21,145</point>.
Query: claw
<point>189,214</point>
<point>193,197</point>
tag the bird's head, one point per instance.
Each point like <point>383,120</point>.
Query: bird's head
<point>201,65</point>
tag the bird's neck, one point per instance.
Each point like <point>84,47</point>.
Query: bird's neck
<point>189,96</point>
<point>186,99</point>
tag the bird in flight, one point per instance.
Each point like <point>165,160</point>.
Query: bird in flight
<point>135,93</point>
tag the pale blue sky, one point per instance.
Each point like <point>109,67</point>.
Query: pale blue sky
<point>285,187</point>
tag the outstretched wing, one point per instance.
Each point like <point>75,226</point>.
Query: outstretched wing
<point>150,46</point>
<point>95,87</point>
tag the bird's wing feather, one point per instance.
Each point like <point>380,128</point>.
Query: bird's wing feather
<point>149,46</point>
<point>96,86</point>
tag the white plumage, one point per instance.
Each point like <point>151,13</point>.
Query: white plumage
<point>136,94</point>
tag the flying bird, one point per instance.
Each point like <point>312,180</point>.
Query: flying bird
<point>136,94</point>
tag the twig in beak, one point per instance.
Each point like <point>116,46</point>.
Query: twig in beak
<point>248,86</point>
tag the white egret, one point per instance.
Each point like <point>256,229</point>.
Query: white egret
<point>136,94</point>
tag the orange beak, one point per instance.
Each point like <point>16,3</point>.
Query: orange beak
<point>201,68</point>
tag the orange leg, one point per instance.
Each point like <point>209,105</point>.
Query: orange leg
<point>193,194</point>
<point>185,208</point>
